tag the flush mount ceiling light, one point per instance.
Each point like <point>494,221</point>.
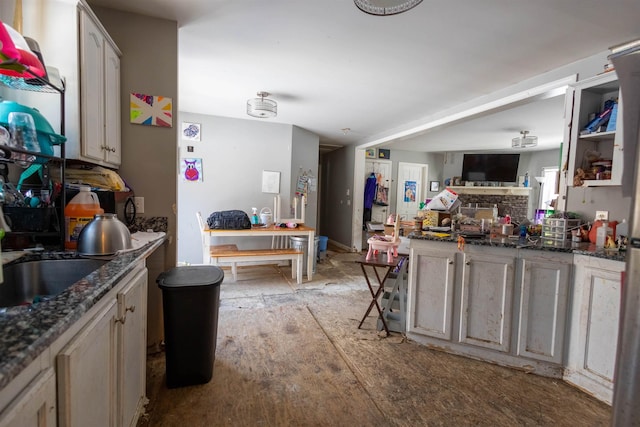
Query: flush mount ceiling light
<point>262,108</point>
<point>386,7</point>
<point>524,141</point>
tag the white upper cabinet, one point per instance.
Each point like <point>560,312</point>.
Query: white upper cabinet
<point>99,94</point>
<point>599,152</point>
<point>73,41</point>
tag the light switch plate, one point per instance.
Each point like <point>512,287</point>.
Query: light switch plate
<point>602,215</point>
<point>139,201</point>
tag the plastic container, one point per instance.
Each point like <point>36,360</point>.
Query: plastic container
<point>322,244</point>
<point>190,302</point>
<point>601,234</point>
<point>78,213</point>
<point>266,217</point>
<point>301,244</point>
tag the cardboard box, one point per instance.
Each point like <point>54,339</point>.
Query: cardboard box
<point>434,218</point>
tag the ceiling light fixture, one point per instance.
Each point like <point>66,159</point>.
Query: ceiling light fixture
<point>524,141</point>
<point>386,7</point>
<point>262,108</point>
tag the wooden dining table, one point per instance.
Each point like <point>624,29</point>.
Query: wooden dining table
<point>271,231</point>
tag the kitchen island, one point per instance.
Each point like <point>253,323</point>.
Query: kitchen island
<point>522,303</point>
<point>59,354</point>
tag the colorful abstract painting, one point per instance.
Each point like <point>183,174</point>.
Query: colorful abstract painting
<point>191,169</point>
<point>151,110</point>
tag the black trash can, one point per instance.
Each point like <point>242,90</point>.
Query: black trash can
<point>191,301</point>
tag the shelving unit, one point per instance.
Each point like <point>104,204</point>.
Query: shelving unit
<point>50,232</point>
<point>589,98</point>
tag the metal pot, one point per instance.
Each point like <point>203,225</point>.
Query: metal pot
<point>105,234</point>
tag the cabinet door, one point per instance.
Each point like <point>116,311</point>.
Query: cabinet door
<point>132,346</point>
<point>544,291</point>
<point>112,105</point>
<point>487,298</point>
<point>91,88</point>
<point>86,373</point>
<point>601,310</point>
<point>35,406</point>
<point>432,279</point>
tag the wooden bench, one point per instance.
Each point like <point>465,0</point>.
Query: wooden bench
<point>233,257</point>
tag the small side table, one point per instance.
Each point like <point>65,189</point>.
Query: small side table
<point>381,267</point>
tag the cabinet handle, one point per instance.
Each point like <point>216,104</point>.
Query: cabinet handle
<point>95,39</point>
<point>121,320</point>
<point>131,309</point>
<point>112,149</point>
<point>467,263</point>
<point>450,262</point>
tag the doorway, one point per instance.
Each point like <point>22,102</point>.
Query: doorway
<point>411,188</point>
<point>380,170</point>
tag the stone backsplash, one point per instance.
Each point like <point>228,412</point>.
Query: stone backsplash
<point>154,223</point>
<point>513,205</point>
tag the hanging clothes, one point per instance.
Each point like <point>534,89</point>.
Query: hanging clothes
<point>369,194</point>
<point>370,190</point>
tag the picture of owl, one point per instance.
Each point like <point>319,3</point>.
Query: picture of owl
<point>191,169</point>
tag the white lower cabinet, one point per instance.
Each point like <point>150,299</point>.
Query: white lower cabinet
<point>594,325</point>
<point>431,310</point>
<point>486,296</point>
<point>544,285</point>
<point>101,371</point>
<point>36,404</point>
<point>503,305</point>
<point>132,350</point>
<point>86,373</point>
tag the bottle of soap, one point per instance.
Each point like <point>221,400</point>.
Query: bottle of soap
<point>526,179</point>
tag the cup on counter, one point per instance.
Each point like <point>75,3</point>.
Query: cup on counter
<point>23,131</point>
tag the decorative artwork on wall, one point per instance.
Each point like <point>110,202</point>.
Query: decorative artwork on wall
<point>190,131</point>
<point>434,186</point>
<point>151,110</point>
<point>410,191</point>
<point>384,153</point>
<point>270,182</point>
<point>370,153</point>
<point>191,169</point>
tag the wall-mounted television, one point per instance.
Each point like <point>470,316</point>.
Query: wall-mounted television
<point>490,167</point>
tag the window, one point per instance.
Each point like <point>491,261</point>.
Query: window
<point>548,187</point>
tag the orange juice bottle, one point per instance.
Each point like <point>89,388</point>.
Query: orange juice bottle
<point>78,212</point>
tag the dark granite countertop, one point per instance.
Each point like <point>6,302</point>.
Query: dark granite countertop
<point>26,331</point>
<point>532,243</point>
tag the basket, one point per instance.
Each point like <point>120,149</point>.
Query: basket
<point>559,229</point>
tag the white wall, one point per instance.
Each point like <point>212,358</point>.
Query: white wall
<point>234,153</point>
<point>305,158</point>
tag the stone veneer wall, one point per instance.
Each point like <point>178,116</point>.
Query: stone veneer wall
<point>514,206</point>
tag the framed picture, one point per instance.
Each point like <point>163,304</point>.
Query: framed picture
<point>384,153</point>
<point>434,185</point>
<point>370,153</point>
<point>190,131</point>
<point>270,182</point>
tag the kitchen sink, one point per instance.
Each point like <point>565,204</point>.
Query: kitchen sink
<point>34,281</point>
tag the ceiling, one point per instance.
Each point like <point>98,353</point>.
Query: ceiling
<point>330,66</point>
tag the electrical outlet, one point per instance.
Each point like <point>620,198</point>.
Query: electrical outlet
<point>602,215</point>
<point>139,201</point>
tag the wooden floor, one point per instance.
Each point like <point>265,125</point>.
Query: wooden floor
<point>291,355</point>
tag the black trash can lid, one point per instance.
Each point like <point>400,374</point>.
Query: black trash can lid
<point>190,276</point>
